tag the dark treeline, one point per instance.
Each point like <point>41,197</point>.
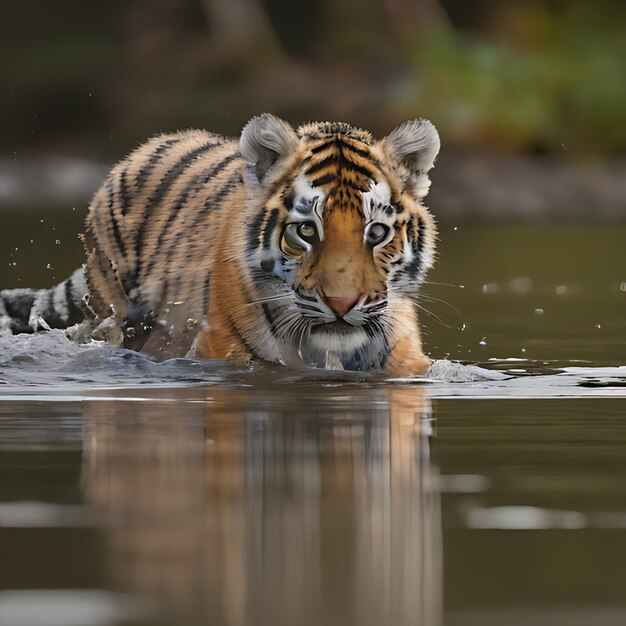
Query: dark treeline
<point>539,76</point>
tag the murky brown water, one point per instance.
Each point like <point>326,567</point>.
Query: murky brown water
<point>315,504</point>
<point>259,500</point>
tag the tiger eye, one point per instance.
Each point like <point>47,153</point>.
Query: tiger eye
<point>306,230</point>
<point>376,233</point>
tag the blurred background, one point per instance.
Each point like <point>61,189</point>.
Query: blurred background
<point>539,82</point>
<point>528,96</point>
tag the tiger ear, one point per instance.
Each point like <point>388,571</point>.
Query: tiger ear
<point>265,140</point>
<point>413,147</point>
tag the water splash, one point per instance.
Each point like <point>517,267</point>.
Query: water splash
<point>49,361</point>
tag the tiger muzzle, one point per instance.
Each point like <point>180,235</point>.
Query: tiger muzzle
<point>342,306</point>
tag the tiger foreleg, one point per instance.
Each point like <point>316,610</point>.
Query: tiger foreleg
<point>406,357</point>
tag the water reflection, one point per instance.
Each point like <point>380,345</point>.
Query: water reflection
<point>233,510</point>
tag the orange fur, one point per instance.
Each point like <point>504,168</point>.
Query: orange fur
<point>184,240</point>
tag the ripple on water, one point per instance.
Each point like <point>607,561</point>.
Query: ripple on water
<point>50,360</point>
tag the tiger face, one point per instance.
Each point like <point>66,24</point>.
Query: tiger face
<point>339,242</point>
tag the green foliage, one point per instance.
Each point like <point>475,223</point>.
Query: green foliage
<point>561,91</point>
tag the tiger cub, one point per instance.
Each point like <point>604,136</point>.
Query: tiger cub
<point>302,246</point>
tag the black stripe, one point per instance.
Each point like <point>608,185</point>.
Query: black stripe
<point>205,295</point>
<point>288,201</point>
<point>157,197</point>
<point>414,268</point>
<point>245,344</point>
<point>305,297</point>
<point>362,153</point>
<point>269,316</point>
<point>104,262</point>
<point>419,244</point>
<point>116,227</point>
<point>194,185</point>
<point>352,166</point>
<point>129,278</point>
<point>75,312</point>
<point>151,162</point>
<point>18,304</point>
<point>324,180</point>
<point>254,230</point>
<point>322,147</point>
<point>316,167</point>
<point>106,268</point>
<point>270,225</point>
<point>49,313</point>
<point>124,200</point>
<point>306,307</point>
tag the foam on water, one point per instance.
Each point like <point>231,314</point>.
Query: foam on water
<point>49,361</point>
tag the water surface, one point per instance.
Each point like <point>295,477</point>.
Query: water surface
<point>186,492</point>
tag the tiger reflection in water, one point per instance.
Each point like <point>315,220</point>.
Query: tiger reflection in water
<point>236,513</point>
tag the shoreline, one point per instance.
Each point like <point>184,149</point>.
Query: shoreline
<point>467,185</point>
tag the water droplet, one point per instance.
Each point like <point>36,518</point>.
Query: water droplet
<point>49,266</point>
<point>455,228</point>
<point>538,311</point>
<point>598,325</point>
<point>622,287</point>
<point>57,241</point>
<point>523,349</point>
<point>483,341</point>
<point>561,290</point>
<point>463,326</point>
<point>490,288</point>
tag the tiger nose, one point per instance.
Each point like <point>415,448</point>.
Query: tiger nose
<point>341,305</point>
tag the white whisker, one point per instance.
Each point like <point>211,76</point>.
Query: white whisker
<point>428,282</point>
<point>270,299</point>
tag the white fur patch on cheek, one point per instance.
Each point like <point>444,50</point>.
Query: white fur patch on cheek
<point>376,200</point>
<point>429,258</point>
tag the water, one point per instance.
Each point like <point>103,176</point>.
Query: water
<point>142,493</point>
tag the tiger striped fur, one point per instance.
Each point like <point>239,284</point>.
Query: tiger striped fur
<point>302,246</point>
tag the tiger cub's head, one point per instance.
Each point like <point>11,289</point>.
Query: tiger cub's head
<point>338,234</point>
